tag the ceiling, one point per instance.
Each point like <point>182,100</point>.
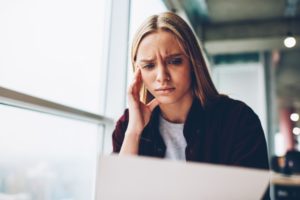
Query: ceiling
<point>246,10</point>
<point>245,26</point>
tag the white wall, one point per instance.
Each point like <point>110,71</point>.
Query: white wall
<point>245,82</point>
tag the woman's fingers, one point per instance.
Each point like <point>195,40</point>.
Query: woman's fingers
<point>135,86</point>
<point>138,79</point>
<point>152,104</point>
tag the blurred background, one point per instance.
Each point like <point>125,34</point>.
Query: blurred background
<point>65,67</point>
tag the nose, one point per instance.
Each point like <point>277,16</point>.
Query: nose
<point>162,74</point>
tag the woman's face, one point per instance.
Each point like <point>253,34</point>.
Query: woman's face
<point>165,68</point>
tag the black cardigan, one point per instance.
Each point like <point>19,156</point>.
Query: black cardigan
<point>225,132</point>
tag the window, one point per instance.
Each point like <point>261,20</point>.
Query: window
<point>52,97</point>
<point>46,157</point>
<point>52,50</point>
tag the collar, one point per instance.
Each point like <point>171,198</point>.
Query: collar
<point>193,125</point>
<point>195,121</point>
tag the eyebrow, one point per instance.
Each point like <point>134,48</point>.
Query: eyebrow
<point>174,55</point>
<point>167,57</point>
<point>146,60</point>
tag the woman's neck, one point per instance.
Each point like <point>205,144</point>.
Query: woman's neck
<point>176,112</point>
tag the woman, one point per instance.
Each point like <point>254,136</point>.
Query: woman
<point>175,111</point>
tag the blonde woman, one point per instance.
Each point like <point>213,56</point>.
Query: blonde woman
<point>175,111</point>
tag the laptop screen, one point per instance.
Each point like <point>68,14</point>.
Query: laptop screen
<point>136,178</point>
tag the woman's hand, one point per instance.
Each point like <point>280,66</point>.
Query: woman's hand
<point>139,116</point>
<point>139,113</point>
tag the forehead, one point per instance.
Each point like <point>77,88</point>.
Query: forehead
<point>162,42</point>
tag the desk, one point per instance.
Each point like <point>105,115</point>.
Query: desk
<point>285,187</point>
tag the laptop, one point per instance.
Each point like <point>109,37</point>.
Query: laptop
<point>144,178</point>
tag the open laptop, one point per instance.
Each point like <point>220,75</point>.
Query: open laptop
<point>143,178</point>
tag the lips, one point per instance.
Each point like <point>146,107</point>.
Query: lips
<point>165,90</point>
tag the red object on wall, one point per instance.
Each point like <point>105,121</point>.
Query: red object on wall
<point>286,127</point>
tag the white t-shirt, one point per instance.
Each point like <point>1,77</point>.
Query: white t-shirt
<point>174,139</point>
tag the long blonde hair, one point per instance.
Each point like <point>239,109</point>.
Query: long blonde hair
<point>202,85</point>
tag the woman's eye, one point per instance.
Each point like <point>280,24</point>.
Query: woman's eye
<point>175,61</point>
<point>148,66</point>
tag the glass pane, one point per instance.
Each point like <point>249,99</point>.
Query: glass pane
<point>52,49</point>
<point>45,157</point>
